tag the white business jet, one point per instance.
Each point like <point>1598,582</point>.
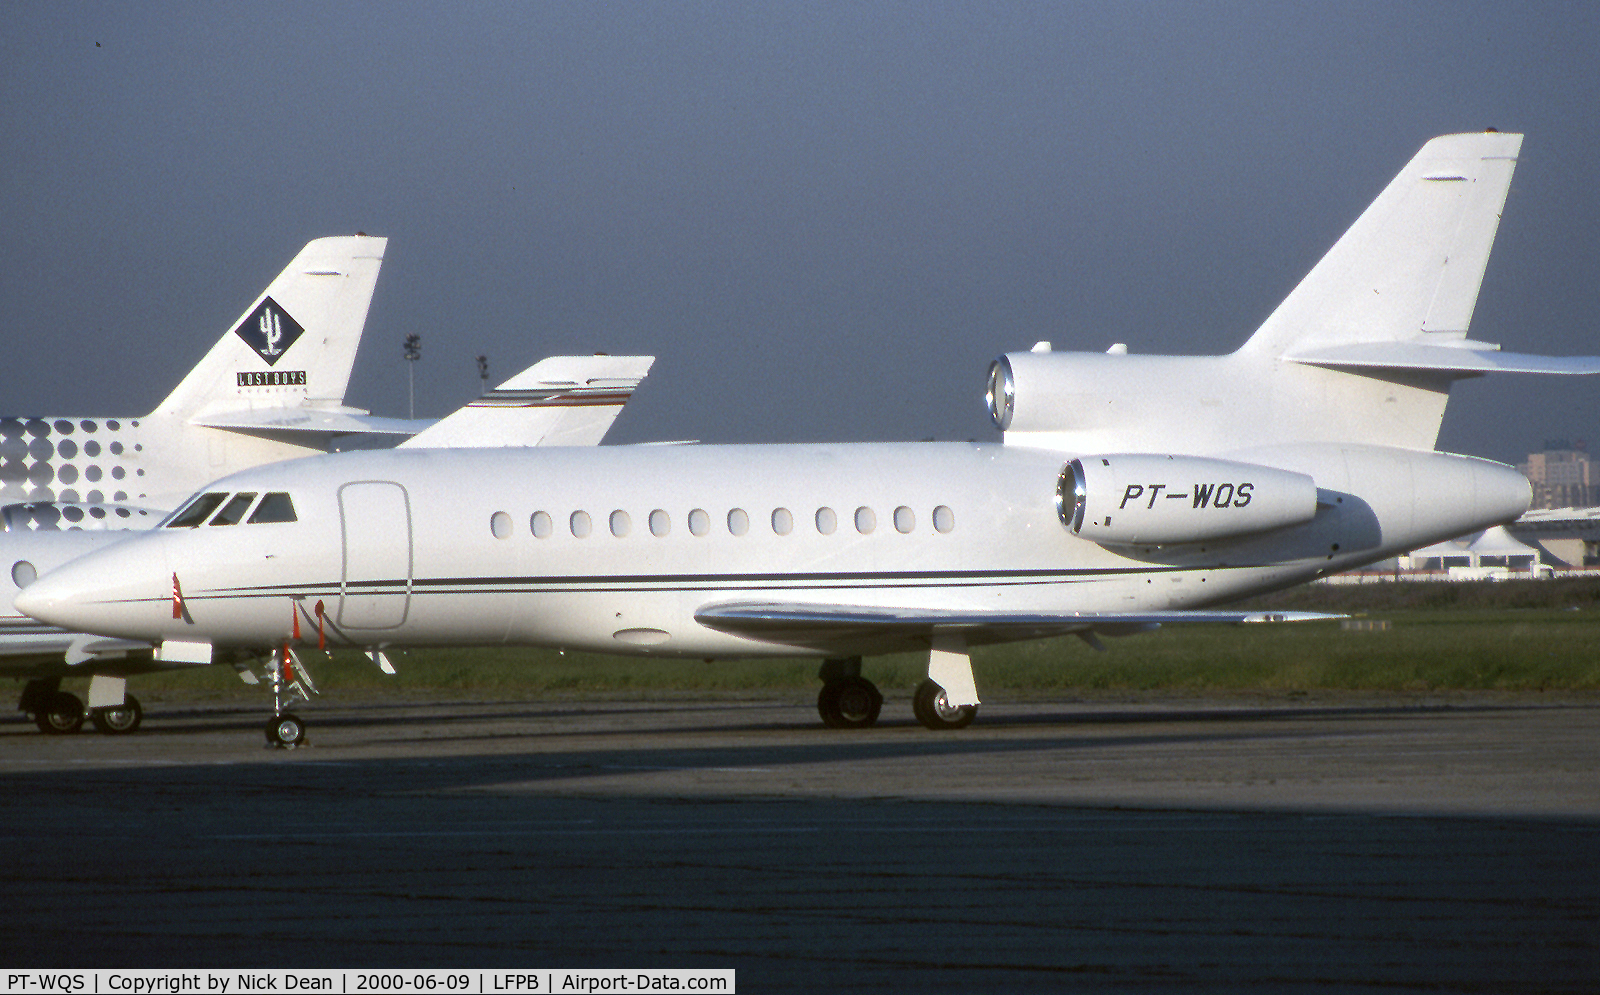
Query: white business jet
<point>271,388</point>
<point>1129,491</point>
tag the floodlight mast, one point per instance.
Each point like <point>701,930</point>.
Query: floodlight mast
<point>412,353</point>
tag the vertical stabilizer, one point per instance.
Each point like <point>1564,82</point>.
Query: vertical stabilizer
<point>559,401</point>
<point>294,346</point>
<point>1409,269</point>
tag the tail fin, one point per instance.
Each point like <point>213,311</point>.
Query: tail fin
<point>559,401</point>
<point>293,347</point>
<point>1364,350</point>
<point>1409,269</point>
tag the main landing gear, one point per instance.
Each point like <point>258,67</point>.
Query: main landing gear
<point>933,709</point>
<point>118,720</point>
<point>948,699</point>
<point>847,700</point>
<point>61,713</point>
<point>55,712</point>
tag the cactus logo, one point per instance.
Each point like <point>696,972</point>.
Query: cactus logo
<point>269,331</point>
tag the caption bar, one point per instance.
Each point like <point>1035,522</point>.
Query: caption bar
<point>235,982</point>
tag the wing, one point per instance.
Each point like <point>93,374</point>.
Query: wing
<point>854,629</point>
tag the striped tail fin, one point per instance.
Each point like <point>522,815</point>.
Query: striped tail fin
<point>559,401</point>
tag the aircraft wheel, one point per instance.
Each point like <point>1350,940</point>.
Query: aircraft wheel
<point>118,720</point>
<point>61,715</point>
<point>286,730</point>
<point>851,703</point>
<point>933,708</point>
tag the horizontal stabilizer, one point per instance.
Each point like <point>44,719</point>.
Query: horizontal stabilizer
<point>312,423</point>
<point>559,401</point>
<point>826,626</point>
<point>1460,360</point>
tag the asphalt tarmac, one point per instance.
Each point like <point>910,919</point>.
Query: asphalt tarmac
<point>1335,844</point>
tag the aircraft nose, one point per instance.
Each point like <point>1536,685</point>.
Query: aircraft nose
<point>48,599</point>
<point>116,591</point>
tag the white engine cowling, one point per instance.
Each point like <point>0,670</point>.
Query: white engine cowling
<point>1152,499</point>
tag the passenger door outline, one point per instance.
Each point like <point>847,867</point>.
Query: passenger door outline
<point>375,578</point>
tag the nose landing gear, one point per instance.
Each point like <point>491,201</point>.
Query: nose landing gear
<point>289,681</point>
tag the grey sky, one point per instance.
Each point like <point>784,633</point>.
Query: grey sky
<point>824,219</point>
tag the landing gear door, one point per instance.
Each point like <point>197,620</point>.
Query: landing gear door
<point>375,587</point>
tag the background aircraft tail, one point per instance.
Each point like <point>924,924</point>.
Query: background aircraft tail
<point>559,401</point>
<point>294,346</point>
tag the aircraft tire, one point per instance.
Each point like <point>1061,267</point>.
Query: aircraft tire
<point>62,714</point>
<point>935,712</point>
<point>118,720</point>
<point>287,729</point>
<point>850,703</point>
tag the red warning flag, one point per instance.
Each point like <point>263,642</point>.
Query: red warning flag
<point>177,598</point>
<point>294,606</point>
<point>322,638</point>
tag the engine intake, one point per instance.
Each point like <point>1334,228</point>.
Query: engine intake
<point>1152,499</point>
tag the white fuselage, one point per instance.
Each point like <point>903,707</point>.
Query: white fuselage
<point>439,547</point>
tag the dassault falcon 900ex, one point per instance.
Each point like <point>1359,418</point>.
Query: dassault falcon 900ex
<point>1128,491</point>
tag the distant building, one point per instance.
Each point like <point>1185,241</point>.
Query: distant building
<point>1563,476</point>
<point>1566,537</point>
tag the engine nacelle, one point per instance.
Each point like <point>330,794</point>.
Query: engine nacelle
<point>1151,499</point>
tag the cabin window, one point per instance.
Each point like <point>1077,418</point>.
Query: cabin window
<point>699,522</point>
<point>660,523</point>
<point>275,507</point>
<point>866,521</point>
<point>904,520</point>
<point>23,574</point>
<point>540,525</point>
<point>196,511</point>
<point>232,513</point>
<point>782,521</point>
<point>500,525</point>
<point>581,526</point>
<point>621,524</point>
<point>827,521</point>
<point>944,520</point>
<point>738,522</point>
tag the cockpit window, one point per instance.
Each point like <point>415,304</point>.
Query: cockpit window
<point>196,511</point>
<point>233,512</point>
<point>275,507</point>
